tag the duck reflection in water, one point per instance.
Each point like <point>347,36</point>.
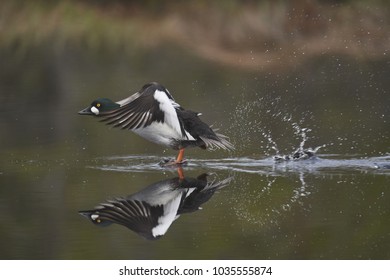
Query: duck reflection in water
<point>151,211</point>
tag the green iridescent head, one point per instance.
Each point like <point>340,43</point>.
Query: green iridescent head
<point>99,106</point>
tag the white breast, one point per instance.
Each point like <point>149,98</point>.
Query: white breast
<point>159,133</point>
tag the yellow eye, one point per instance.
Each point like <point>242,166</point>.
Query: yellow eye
<point>98,105</point>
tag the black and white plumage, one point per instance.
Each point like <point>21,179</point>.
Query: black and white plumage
<point>153,114</point>
<point>151,211</point>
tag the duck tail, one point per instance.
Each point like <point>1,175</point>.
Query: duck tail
<point>219,142</point>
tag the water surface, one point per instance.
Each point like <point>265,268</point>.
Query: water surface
<point>55,163</point>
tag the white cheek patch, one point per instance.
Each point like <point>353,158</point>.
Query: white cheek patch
<point>95,110</point>
<point>94,216</point>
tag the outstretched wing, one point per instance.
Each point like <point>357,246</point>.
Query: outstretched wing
<point>138,216</point>
<point>152,104</point>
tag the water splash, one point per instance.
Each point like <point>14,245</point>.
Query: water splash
<point>271,143</point>
<point>301,152</point>
<point>292,196</point>
<point>269,125</point>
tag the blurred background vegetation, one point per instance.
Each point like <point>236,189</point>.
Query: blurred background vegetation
<point>233,32</point>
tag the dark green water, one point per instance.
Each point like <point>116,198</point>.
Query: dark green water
<point>55,163</point>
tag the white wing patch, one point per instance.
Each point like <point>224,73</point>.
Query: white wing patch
<point>165,221</point>
<point>168,107</point>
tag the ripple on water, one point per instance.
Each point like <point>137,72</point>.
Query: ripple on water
<point>321,163</point>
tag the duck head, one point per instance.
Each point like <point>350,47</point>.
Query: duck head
<point>100,105</point>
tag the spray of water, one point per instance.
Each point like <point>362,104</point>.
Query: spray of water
<point>267,126</point>
<point>300,152</point>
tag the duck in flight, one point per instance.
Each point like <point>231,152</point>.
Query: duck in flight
<point>153,114</point>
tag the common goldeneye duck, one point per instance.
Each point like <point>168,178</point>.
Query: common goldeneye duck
<point>153,114</point>
<point>151,211</point>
